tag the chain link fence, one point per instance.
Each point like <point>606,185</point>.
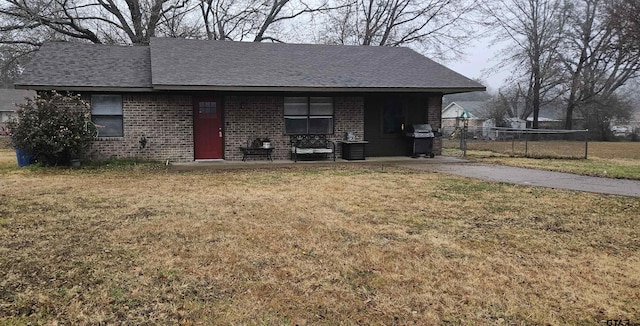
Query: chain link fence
<point>538,143</point>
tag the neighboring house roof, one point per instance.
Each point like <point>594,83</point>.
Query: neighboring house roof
<point>472,109</point>
<point>171,63</point>
<point>9,98</point>
<point>542,119</point>
<point>549,113</point>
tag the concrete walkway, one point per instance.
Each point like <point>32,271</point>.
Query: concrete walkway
<point>455,166</point>
<point>532,177</point>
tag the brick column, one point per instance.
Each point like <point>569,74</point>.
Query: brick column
<point>434,115</point>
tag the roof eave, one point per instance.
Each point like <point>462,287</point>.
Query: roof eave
<point>466,90</point>
<point>84,88</point>
<point>443,90</point>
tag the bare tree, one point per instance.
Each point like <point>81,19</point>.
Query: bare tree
<point>228,19</point>
<point>179,23</point>
<point>600,112</point>
<point>597,58</point>
<point>26,24</point>
<point>498,108</point>
<point>11,63</point>
<point>623,16</point>
<point>536,27</point>
<point>97,21</point>
<point>253,19</point>
<point>437,26</point>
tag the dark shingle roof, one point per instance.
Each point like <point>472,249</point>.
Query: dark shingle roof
<point>78,65</point>
<point>182,62</point>
<point>170,63</point>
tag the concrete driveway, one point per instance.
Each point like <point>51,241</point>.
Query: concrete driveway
<point>531,177</point>
<point>455,166</point>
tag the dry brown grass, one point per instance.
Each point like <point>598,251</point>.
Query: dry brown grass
<point>310,245</point>
<point>8,158</point>
<point>5,142</point>
<point>620,150</point>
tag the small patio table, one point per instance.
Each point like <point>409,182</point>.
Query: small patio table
<point>256,151</point>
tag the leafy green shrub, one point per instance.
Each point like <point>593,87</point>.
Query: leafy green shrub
<point>53,127</point>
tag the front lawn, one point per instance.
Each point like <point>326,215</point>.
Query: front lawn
<point>309,245</point>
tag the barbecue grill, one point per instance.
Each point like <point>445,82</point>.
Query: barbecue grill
<point>420,140</point>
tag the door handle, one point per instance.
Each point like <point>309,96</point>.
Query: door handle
<point>220,132</point>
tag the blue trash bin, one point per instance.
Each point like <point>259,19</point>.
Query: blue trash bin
<point>24,158</point>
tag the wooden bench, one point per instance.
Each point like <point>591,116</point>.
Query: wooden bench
<point>312,145</point>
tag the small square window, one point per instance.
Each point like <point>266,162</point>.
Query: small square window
<point>106,113</point>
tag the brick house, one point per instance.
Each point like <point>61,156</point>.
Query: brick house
<point>196,100</point>
<point>8,100</point>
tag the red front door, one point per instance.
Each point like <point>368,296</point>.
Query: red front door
<point>207,129</point>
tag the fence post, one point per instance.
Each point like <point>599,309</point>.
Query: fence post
<point>464,140</point>
<point>586,143</point>
<point>526,143</point>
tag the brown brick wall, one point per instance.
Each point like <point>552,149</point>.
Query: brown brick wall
<point>349,117</point>
<point>165,120</point>
<point>249,117</point>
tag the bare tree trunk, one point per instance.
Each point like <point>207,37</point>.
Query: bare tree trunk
<point>571,105</point>
<point>536,27</point>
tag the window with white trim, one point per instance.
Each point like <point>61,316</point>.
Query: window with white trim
<point>308,115</point>
<point>106,113</point>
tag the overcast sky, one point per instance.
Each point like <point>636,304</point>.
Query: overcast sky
<point>478,63</point>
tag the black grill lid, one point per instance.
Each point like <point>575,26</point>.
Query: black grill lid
<point>421,127</point>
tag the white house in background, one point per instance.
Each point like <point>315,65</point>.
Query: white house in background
<point>8,100</point>
<point>454,113</point>
<point>476,113</point>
